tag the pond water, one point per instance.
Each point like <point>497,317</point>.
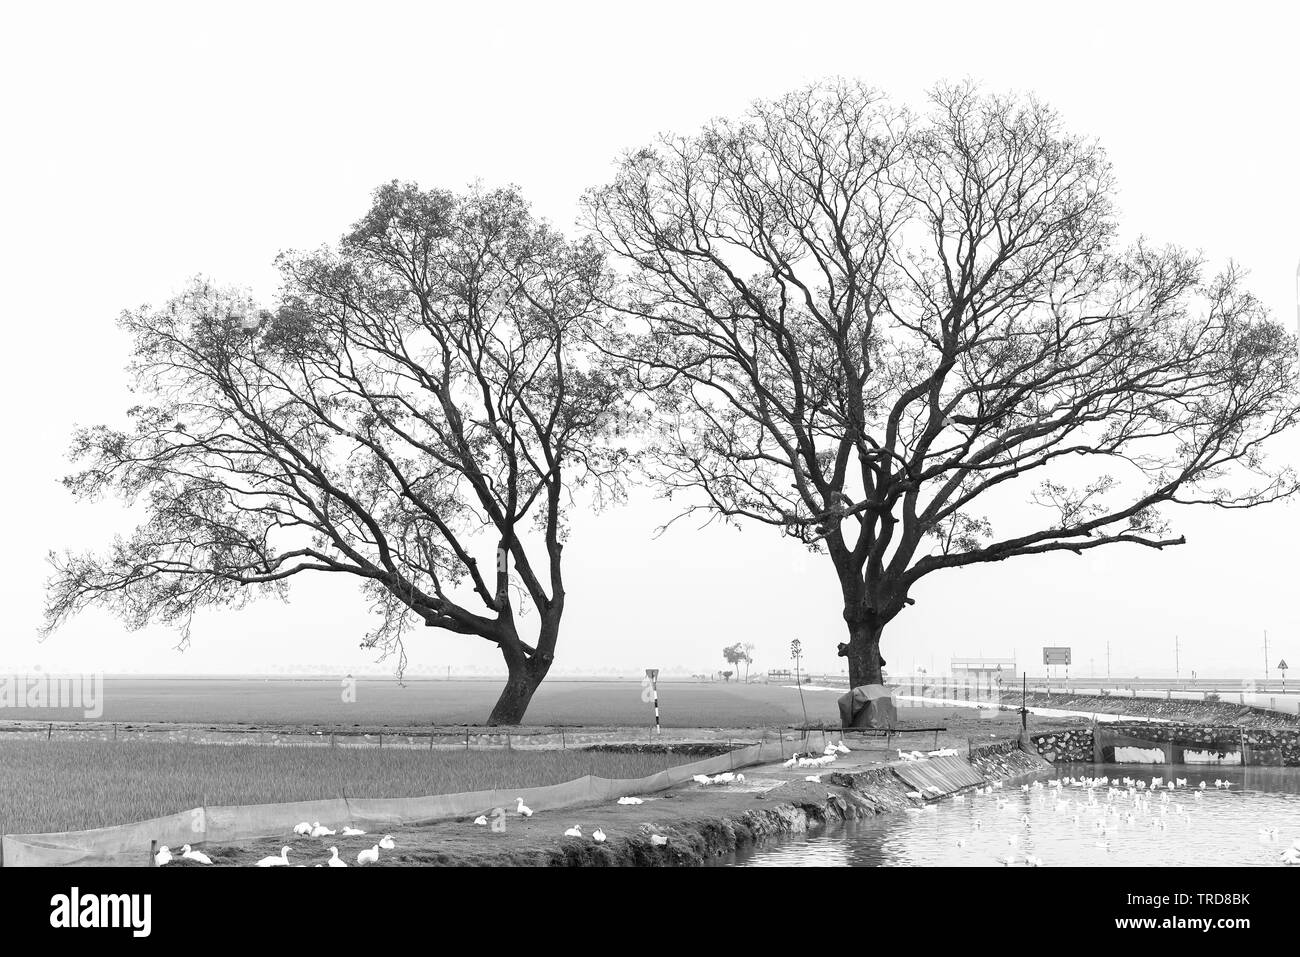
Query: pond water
<point>1061,826</point>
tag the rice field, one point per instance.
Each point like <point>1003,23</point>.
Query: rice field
<point>383,702</point>
<point>73,785</point>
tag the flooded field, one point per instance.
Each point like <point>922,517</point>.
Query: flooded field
<point>1248,823</point>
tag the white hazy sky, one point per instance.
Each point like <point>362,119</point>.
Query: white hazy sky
<point>145,143</point>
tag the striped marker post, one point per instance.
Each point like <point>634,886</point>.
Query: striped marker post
<point>653,675</point>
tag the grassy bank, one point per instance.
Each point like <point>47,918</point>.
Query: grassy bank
<point>59,785</point>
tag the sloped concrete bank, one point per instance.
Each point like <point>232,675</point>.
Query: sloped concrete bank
<point>1180,710</point>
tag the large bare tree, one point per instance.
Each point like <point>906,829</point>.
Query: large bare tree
<point>874,328</point>
<point>415,413</point>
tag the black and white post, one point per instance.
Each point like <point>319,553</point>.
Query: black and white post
<point>653,675</point>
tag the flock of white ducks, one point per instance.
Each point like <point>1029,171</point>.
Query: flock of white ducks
<point>825,759</point>
<point>316,829</point>
<point>165,856</point>
<point>726,777</point>
<point>1139,794</point>
<point>598,836</point>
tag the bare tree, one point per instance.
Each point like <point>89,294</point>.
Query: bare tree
<point>421,395</point>
<point>873,329</point>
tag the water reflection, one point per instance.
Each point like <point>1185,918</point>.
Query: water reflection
<point>1062,827</point>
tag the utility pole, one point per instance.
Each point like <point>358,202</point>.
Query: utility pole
<point>1176,664</point>
<point>1108,661</point>
<point>1266,638</point>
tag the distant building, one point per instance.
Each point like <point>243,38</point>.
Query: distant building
<point>986,676</point>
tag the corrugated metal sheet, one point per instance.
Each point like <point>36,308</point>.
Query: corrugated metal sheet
<point>948,774</point>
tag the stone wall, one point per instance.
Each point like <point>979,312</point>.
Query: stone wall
<point>1069,745</point>
<point>1259,746</point>
<point>1273,747</point>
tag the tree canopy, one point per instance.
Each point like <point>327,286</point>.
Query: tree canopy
<point>421,397</point>
<point>883,331</point>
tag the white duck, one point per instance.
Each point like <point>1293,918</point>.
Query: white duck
<point>353,832</point>
<point>193,855</point>
<point>575,831</point>
<point>598,836</point>
<point>630,800</point>
<point>814,778</point>
<point>281,861</point>
<point>320,830</point>
<point>302,829</point>
<point>481,820</point>
<point>521,808</point>
<point>386,842</point>
<point>334,860</point>
<point>164,856</point>
<point>369,856</point>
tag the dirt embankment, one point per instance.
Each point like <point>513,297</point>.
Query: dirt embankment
<point>1173,709</point>
<point>685,827</point>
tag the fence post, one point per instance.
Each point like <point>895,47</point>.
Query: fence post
<point>563,745</point>
<point>466,737</point>
<point>49,732</point>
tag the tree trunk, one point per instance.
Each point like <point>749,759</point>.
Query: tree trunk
<point>525,671</point>
<point>863,652</point>
<point>523,682</point>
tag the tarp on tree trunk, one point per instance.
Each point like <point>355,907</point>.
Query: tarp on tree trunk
<point>868,706</point>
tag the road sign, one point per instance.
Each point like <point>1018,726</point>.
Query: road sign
<point>1056,656</point>
<point>1281,665</point>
